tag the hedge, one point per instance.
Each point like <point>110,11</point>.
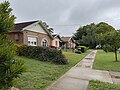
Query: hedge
<point>42,53</point>
<point>83,48</point>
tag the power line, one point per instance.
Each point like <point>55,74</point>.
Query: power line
<point>112,20</point>
<point>65,25</point>
<point>78,24</point>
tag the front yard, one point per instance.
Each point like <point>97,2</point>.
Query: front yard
<point>106,61</point>
<point>97,85</point>
<point>42,74</point>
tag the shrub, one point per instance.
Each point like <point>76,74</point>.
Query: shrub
<point>53,47</point>
<point>21,50</point>
<point>17,46</point>
<point>78,51</point>
<point>10,68</point>
<point>42,53</point>
<point>60,59</point>
<point>83,48</point>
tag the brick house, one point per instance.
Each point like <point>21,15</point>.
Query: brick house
<point>32,33</point>
<point>56,42</point>
<point>68,42</point>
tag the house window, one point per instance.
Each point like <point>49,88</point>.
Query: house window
<point>16,37</point>
<point>44,42</point>
<point>56,43</point>
<point>32,41</point>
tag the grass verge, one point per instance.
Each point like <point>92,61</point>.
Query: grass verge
<point>97,85</point>
<point>42,74</point>
<point>106,61</point>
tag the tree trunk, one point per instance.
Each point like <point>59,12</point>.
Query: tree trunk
<point>116,55</point>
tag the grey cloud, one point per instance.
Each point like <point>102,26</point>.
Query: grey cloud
<point>91,11</point>
<point>67,12</point>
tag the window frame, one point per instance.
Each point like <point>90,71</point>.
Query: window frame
<point>56,43</point>
<point>32,40</point>
<point>44,41</point>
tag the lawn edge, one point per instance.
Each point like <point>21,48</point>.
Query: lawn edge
<point>47,88</point>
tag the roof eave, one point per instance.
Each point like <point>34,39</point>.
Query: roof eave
<point>40,22</point>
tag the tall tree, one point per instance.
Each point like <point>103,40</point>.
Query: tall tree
<point>6,17</point>
<point>89,34</point>
<point>111,41</point>
<point>103,28</point>
<point>51,30</point>
<point>10,68</point>
<point>90,37</point>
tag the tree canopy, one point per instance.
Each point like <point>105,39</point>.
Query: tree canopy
<point>111,42</point>
<point>51,30</point>
<point>10,68</point>
<point>6,17</point>
<point>103,28</point>
<point>88,35</point>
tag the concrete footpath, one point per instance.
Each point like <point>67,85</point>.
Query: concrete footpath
<point>77,78</point>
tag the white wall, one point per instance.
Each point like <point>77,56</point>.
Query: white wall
<point>36,28</point>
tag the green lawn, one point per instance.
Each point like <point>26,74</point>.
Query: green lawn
<point>97,85</point>
<point>42,74</point>
<point>106,61</point>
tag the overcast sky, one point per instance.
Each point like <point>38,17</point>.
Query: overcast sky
<point>65,16</point>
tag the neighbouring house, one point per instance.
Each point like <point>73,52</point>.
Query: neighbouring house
<point>56,42</point>
<point>32,33</point>
<point>68,42</point>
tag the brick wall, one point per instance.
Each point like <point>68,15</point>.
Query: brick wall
<point>16,37</point>
<point>39,37</point>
